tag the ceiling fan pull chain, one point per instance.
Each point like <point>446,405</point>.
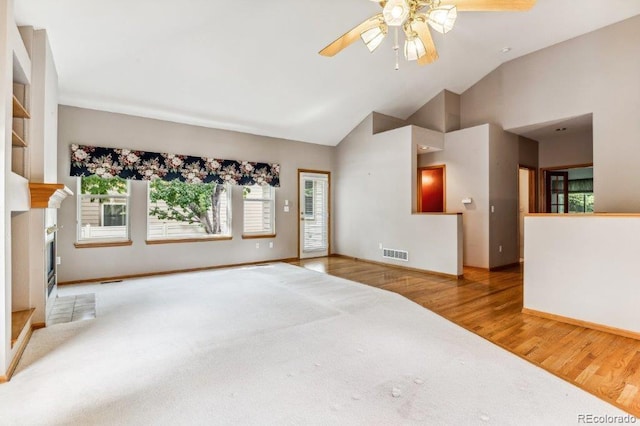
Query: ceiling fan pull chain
<point>396,47</point>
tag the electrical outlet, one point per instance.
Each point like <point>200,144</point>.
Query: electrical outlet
<point>257,245</point>
<point>270,244</point>
<point>493,209</point>
<point>58,260</point>
<point>500,249</point>
<point>380,246</point>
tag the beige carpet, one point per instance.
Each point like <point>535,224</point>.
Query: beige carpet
<point>278,345</point>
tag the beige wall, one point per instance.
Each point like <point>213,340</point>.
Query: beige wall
<point>528,152</point>
<point>503,197</point>
<point>115,130</point>
<point>482,164</point>
<point>566,150</point>
<point>382,123</point>
<point>375,174</point>
<point>442,113</point>
<point>431,115</point>
<point>594,73</point>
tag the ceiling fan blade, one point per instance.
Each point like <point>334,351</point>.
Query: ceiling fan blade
<point>490,5</point>
<point>422,29</point>
<point>351,36</point>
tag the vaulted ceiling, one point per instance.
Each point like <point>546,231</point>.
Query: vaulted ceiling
<point>253,66</point>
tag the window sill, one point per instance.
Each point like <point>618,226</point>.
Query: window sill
<point>99,244</point>
<point>252,237</point>
<point>188,240</point>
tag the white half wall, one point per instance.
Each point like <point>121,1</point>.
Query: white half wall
<point>375,178</point>
<point>583,267</point>
<point>105,129</point>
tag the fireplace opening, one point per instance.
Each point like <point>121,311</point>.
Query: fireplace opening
<point>51,265</point>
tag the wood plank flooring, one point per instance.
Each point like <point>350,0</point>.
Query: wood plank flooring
<point>490,303</point>
<point>19,320</point>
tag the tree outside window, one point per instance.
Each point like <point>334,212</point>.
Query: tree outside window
<point>186,210</point>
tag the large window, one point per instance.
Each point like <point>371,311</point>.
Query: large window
<point>581,195</point>
<point>180,210</point>
<point>103,207</point>
<point>259,206</point>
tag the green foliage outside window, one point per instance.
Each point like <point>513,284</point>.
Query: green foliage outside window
<point>581,202</point>
<point>195,203</point>
<point>96,185</point>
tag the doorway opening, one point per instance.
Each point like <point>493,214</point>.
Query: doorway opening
<point>432,189</point>
<point>568,189</point>
<point>527,200</point>
<point>314,207</point>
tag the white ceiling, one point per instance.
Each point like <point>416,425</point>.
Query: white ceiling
<point>252,66</point>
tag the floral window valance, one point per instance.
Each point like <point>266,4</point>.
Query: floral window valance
<point>140,165</point>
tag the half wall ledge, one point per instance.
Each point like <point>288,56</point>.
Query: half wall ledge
<point>48,195</point>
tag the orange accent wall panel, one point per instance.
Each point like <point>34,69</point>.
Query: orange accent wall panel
<point>432,188</point>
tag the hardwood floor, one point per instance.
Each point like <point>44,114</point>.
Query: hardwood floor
<point>490,303</point>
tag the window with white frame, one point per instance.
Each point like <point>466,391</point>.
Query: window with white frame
<point>103,209</point>
<point>259,210</point>
<point>179,210</point>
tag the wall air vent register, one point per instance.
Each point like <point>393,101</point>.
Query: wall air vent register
<point>395,254</point>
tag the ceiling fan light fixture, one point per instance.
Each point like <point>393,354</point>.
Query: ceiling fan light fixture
<point>395,12</point>
<point>374,36</point>
<point>443,18</point>
<point>414,48</point>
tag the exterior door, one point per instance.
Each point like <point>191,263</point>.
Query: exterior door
<point>557,190</point>
<point>314,213</point>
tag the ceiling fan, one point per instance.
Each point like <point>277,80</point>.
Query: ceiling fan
<point>415,17</point>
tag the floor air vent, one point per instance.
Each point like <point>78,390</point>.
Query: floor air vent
<point>395,254</point>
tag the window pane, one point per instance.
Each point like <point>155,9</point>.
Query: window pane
<point>581,202</point>
<point>114,215</point>
<point>315,229</point>
<point>588,203</point>
<point>100,186</point>
<point>102,208</point>
<point>258,210</point>
<point>308,199</point>
<point>188,210</point>
<point>257,192</point>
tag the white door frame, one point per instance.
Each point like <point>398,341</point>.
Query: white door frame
<point>302,172</point>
